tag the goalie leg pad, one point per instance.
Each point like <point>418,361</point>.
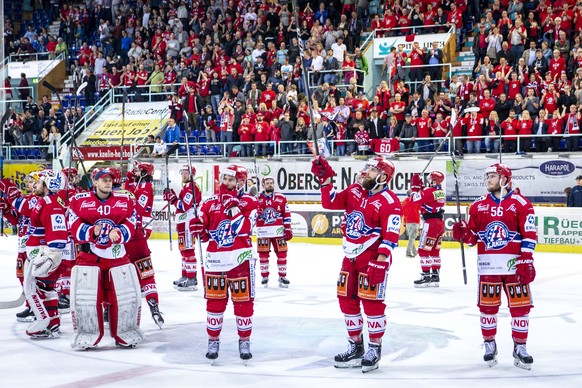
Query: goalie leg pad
<point>33,298</point>
<point>86,310</point>
<point>125,309</point>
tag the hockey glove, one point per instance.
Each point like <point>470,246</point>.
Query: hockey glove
<point>231,205</point>
<point>131,176</point>
<point>287,234</point>
<point>196,227</point>
<point>170,196</point>
<point>9,189</point>
<point>321,169</point>
<point>377,271</point>
<point>462,231</point>
<point>525,270</point>
<point>416,183</point>
<point>44,260</point>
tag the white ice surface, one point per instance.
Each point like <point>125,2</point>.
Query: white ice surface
<point>433,337</point>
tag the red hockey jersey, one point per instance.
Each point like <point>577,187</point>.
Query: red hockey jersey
<point>229,237</point>
<point>503,231</point>
<point>431,199</point>
<point>48,226</point>
<point>273,215</point>
<point>372,221</point>
<point>117,211</point>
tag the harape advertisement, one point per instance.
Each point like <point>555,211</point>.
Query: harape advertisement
<point>541,180</point>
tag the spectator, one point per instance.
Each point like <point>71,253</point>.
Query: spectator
<point>575,197</point>
<point>159,148</point>
<point>408,133</point>
<point>411,215</point>
<point>172,135</point>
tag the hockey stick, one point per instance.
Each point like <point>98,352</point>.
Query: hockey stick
<point>122,127</point>
<point>192,184</point>
<point>170,150</point>
<point>2,122</point>
<point>73,143</point>
<point>305,77</point>
<point>10,304</point>
<point>454,161</point>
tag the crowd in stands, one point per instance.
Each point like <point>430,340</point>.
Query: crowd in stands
<point>233,68</point>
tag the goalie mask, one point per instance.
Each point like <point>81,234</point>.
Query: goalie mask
<point>54,181</point>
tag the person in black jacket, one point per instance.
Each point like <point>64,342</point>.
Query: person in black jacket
<point>375,125</point>
<point>575,197</point>
<point>502,107</point>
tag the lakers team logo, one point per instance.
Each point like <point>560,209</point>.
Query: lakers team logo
<point>356,225</point>
<point>496,235</point>
<point>270,215</point>
<point>223,234</point>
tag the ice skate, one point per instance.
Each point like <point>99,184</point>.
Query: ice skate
<point>434,279</point>
<point>187,285</point>
<point>50,332</point>
<point>521,358</point>
<point>244,349</point>
<point>371,360</point>
<point>283,282</point>
<point>424,281</point>
<point>125,346</point>
<point>490,356</point>
<point>26,315</point>
<point>64,304</point>
<point>212,353</point>
<point>352,357</point>
<point>265,281</point>
<point>182,278</point>
<point>156,314</point>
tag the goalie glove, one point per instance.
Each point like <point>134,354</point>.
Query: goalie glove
<point>44,260</point>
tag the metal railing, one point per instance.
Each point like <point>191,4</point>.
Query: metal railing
<point>338,73</point>
<point>373,33</point>
<point>300,148</point>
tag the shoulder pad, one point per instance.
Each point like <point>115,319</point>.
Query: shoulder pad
<point>47,199</point>
<point>388,197</point>
<point>519,198</point>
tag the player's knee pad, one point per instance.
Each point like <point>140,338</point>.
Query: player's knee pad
<point>125,309</point>
<point>32,294</point>
<point>263,246</point>
<point>86,310</point>
<point>489,296</point>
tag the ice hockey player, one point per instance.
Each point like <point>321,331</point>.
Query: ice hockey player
<point>21,207</point>
<point>142,190</point>
<point>273,228</point>
<point>372,226</point>
<point>432,200</point>
<point>47,239</point>
<point>502,225</point>
<point>185,204</point>
<point>102,222</point>
<point>226,220</point>
<point>64,282</point>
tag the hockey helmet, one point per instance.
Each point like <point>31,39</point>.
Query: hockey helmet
<point>54,181</point>
<point>239,172</point>
<point>101,172</point>
<point>70,172</point>
<point>185,168</point>
<point>115,176</point>
<point>384,165</point>
<point>36,175</point>
<point>502,170</point>
<point>144,168</point>
<point>437,176</point>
